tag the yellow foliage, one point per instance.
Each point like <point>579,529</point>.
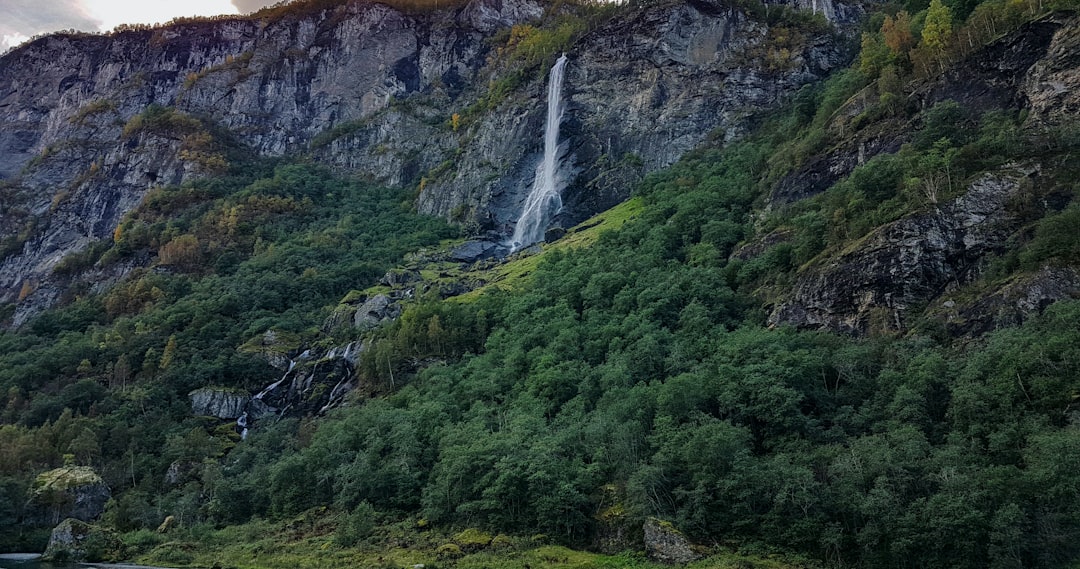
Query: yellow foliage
<point>26,290</point>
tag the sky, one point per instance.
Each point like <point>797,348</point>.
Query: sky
<point>21,19</point>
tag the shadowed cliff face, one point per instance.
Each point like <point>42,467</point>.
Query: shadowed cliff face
<point>367,89</point>
<point>917,264</point>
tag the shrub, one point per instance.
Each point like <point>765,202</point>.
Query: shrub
<point>357,526</point>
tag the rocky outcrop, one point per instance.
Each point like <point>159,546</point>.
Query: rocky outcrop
<point>76,541</point>
<point>1009,304</point>
<point>665,544</point>
<point>375,311</point>
<point>1052,84</point>
<point>313,385</point>
<point>877,280</point>
<point>219,402</point>
<point>1034,68</point>
<point>69,492</point>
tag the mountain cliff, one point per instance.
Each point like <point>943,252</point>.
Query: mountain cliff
<point>91,123</point>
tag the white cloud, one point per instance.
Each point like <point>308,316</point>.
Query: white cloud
<point>249,6</point>
<point>112,13</point>
<point>12,40</point>
<point>20,19</point>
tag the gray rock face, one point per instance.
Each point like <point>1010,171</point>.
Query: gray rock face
<point>665,544</point>
<point>1011,304</point>
<point>650,85</point>
<point>75,541</point>
<point>471,251</point>
<point>906,262</point>
<point>366,88</point>
<point>313,386</point>
<point>325,81</point>
<point>376,310</point>
<point>218,402</point>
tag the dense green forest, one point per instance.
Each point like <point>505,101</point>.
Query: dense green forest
<point>630,379</point>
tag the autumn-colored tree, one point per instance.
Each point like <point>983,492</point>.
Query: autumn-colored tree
<point>183,252</point>
<point>897,33</point>
<point>169,354</point>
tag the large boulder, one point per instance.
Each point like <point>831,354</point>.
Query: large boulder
<point>665,544</point>
<point>69,492</point>
<point>376,310</point>
<point>77,541</point>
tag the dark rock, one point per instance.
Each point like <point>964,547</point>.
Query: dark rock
<point>376,310</point>
<point>665,544</point>
<point>905,263</point>
<point>312,387</point>
<point>1010,304</point>
<point>994,77</point>
<point>400,277</point>
<point>822,171</point>
<point>472,251</point>
<point>76,541</point>
<point>554,234</point>
<point>219,402</point>
<point>69,492</point>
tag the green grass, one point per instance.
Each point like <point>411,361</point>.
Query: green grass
<point>513,273</point>
<point>308,542</point>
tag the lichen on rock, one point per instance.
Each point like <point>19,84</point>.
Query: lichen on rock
<point>665,544</point>
<point>75,541</point>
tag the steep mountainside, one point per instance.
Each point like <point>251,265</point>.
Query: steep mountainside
<point>834,325</point>
<point>90,123</point>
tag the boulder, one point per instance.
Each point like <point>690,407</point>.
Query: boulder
<point>168,524</point>
<point>472,251</point>
<point>553,234</point>
<point>665,544</point>
<point>69,492</point>
<point>219,402</point>
<point>375,311</point>
<point>76,541</point>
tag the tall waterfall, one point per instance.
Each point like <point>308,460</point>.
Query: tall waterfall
<point>544,200</point>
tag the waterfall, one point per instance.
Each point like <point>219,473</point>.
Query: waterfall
<point>544,200</point>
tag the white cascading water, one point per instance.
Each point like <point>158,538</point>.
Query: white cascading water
<point>544,200</point>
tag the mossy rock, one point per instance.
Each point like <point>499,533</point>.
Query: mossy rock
<point>448,551</point>
<point>76,541</point>
<point>472,539</point>
<point>66,478</point>
<point>502,542</point>
<point>68,492</point>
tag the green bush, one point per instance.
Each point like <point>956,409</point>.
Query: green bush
<point>356,526</point>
